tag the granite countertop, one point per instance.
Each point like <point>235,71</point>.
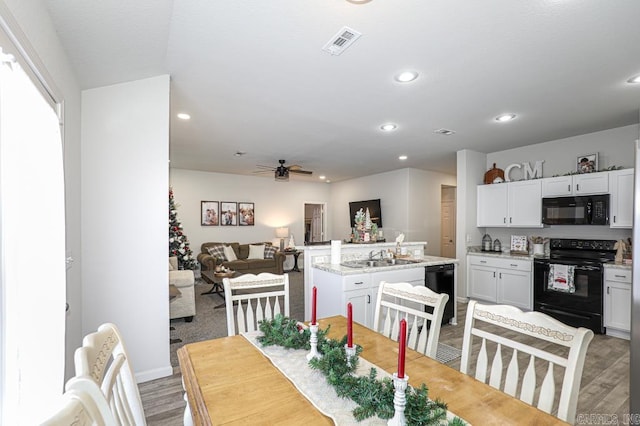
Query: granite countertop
<point>477,251</point>
<point>420,263</point>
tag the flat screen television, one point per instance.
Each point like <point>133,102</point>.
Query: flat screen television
<point>374,211</point>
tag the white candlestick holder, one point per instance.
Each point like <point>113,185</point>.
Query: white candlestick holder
<point>314,342</point>
<point>351,352</point>
<point>399,400</point>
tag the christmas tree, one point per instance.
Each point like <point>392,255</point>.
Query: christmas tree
<point>178,242</point>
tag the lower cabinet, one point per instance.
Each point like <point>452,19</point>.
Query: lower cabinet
<point>617,302</point>
<point>335,291</point>
<point>500,280</point>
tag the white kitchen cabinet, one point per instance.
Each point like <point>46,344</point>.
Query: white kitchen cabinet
<point>621,201</point>
<point>513,204</point>
<point>617,302</point>
<point>500,280</point>
<point>580,184</point>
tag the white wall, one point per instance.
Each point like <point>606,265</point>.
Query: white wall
<point>614,147</point>
<point>409,202</point>
<point>276,204</point>
<point>425,213</point>
<point>471,169</point>
<point>125,154</point>
<point>36,30</point>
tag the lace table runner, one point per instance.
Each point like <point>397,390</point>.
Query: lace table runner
<point>313,385</point>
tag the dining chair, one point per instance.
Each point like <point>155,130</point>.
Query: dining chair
<point>83,404</point>
<point>528,333</point>
<point>103,357</point>
<point>251,298</point>
<point>421,307</point>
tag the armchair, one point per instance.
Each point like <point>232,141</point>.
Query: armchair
<point>183,306</point>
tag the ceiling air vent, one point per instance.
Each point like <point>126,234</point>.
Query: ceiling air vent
<point>343,39</point>
<point>445,132</point>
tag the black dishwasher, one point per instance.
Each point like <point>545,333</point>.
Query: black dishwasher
<point>440,278</point>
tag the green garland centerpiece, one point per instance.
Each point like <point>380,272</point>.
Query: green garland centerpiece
<point>374,396</point>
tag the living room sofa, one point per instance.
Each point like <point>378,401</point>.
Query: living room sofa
<point>242,265</point>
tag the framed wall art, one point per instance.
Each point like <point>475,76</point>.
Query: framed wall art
<point>246,214</point>
<point>587,163</point>
<point>228,213</point>
<point>209,213</point>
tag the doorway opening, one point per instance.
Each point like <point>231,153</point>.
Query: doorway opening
<point>448,221</point>
<point>314,223</point>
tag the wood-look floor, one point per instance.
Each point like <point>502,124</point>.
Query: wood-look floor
<point>604,389</point>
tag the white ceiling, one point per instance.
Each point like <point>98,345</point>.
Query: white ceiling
<point>254,78</point>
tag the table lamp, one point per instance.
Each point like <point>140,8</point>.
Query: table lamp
<point>282,233</point>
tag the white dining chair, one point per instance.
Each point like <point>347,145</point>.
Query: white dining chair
<point>103,357</point>
<point>251,298</point>
<point>83,404</point>
<point>511,328</point>
<point>421,307</point>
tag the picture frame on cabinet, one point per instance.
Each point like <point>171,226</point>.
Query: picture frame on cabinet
<point>228,213</point>
<point>246,214</point>
<point>587,163</point>
<point>209,213</point>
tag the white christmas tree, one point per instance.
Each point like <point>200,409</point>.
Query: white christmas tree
<point>367,220</point>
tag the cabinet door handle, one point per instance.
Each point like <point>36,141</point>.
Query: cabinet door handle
<point>500,275</point>
<point>614,218</point>
<point>359,282</point>
<point>494,275</point>
<point>578,187</point>
<point>515,265</point>
<point>569,188</point>
<point>368,298</point>
<point>510,219</point>
<point>608,289</point>
<point>620,276</point>
<point>504,220</point>
<point>483,261</point>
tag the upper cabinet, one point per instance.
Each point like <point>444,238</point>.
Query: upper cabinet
<point>581,184</point>
<point>513,204</point>
<point>621,185</point>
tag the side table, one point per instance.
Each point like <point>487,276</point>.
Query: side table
<point>295,255</point>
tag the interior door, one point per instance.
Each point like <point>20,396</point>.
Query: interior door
<point>448,223</point>
<point>316,224</point>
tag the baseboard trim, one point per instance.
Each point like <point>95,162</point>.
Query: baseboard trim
<point>158,373</point>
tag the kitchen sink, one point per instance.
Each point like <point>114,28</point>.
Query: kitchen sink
<point>377,263</point>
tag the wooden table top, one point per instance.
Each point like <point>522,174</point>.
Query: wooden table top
<point>229,381</point>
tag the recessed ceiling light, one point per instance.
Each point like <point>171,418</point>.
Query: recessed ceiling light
<point>322,177</point>
<point>388,127</point>
<point>406,76</point>
<point>327,181</point>
<point>505,117</point>
<point>183,116</point>
<point>402,157</point>
<point>634,79</point>
<point>358,1</point>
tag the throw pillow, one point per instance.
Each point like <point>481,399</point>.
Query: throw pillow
<point>229,253</point>
<point>256,251</point>
<point>269,252</point>
<point>217,251</point>
<point>170,266</point>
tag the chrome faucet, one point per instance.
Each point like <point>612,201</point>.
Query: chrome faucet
<point>371,254</point>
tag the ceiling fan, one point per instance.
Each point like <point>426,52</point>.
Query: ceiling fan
<point>281,172</point>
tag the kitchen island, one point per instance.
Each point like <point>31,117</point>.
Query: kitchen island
<point>339,284</point>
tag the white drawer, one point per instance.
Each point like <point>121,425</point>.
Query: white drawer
<point>615,274</point>
<point>355,282</point>
<point>501,262</point>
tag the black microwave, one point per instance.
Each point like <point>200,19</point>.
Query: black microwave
<point>579,210</point>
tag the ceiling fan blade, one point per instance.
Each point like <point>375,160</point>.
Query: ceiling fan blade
<point>265,167</point>
<point>295,167</point>
<point>262,171</point>
<point>301,172</point>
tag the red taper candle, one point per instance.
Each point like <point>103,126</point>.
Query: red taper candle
<point>313,305</point>
<point>349,325</point>
<point>402,346</point>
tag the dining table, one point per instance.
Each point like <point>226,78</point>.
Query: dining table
<point>229,381</point>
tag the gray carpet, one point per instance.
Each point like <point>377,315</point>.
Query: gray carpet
<point>211,322</point>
